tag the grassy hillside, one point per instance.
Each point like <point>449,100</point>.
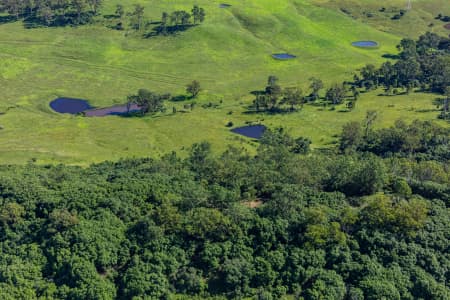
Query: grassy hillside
<point>416,21</point>
<point>229,54</point>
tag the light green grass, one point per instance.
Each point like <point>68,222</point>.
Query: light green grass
<point>420,19</point>
<point>229,54</point>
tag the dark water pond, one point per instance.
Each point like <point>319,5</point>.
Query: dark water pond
<point>112,110</point>
<point>224,5</point>
<point>69,105</point>
<point>365,44</point>
<point>283,56</point>
<point>76,106</point>
<point>251,131</point>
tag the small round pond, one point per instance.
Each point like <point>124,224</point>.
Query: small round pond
<point>224,5</point>
<point>283,56</point>
<point>69,105</point>
<point>365,44</point>
<point>251,131</point>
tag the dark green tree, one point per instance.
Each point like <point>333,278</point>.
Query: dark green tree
<point>193,88</point>
<point>316,85</point>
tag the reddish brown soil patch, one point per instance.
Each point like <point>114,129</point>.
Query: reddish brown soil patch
<point>447,26</point>
<point>113,110</point>
<point>253,204</point>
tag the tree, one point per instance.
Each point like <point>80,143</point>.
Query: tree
<point>301,145</point>
<point>198,13</point>
<point>185,18</point>
<point>164,18</point>
<point>180,17</point>
<point>316,85</point>
<point>351,137</point>
<point>137,16</point>
<point>292,97</point>
<point>325,285</point>
<point>371,116</point>
<point>336,94</point>
<point>199,157</point>
<point>189,281</point>
<point>408,49</point>
<point>144,280</point>
<point>193,88</point>
<point>355,93</point>
<point>272,80</point>
<point>446,104</point>
<point>60,220</point>
<point>11,213</point>
<point>79,6</point>
<point>273,91</point>
<point>369,77</point>
<point>46,13</point>
<point>95,5</point>
<point>148,101</point>
<point>376,288</point>
<point>13,7</point>
<point>261,102</point>
<point>120,11</point>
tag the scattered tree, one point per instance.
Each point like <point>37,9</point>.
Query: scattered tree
<point>316,85</point>
<point>193,88</point>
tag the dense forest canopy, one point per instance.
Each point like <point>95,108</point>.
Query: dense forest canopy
<point>366,221</point>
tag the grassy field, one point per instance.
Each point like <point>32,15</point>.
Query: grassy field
<point>418,20</point>
<point>229,54</point>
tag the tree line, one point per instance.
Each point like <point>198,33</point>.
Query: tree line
<point>368,220</point>
<point>423,64</point>
<point>274,98</point>
<point>169,23</point>
<point>52,13</point>
<point>78,12</point>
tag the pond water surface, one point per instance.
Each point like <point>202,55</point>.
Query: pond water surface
<point>283,56</point>
<point>69,105</point>
<point>251,131</point>
<point>76,106</point>
<point>365,44</point>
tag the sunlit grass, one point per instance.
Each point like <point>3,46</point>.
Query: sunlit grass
<point>230,54</point>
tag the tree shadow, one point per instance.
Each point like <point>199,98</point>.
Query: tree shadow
<point>109,17</point>
<point>180,98</point>
<point>273,111</point>
<point>318,103</point>
<point>32,21</point>
<point>257,93</point>
<point>427,110</point>
<point>7,19</point>
<point>131,114</point>
<point>438,101</point>
<point>118,26</point>
<point>167,30</point>
<point>390,56</point>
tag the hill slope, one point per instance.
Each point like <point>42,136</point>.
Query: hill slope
<point>229,54</point>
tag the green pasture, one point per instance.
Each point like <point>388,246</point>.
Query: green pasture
<point>229,54</point>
